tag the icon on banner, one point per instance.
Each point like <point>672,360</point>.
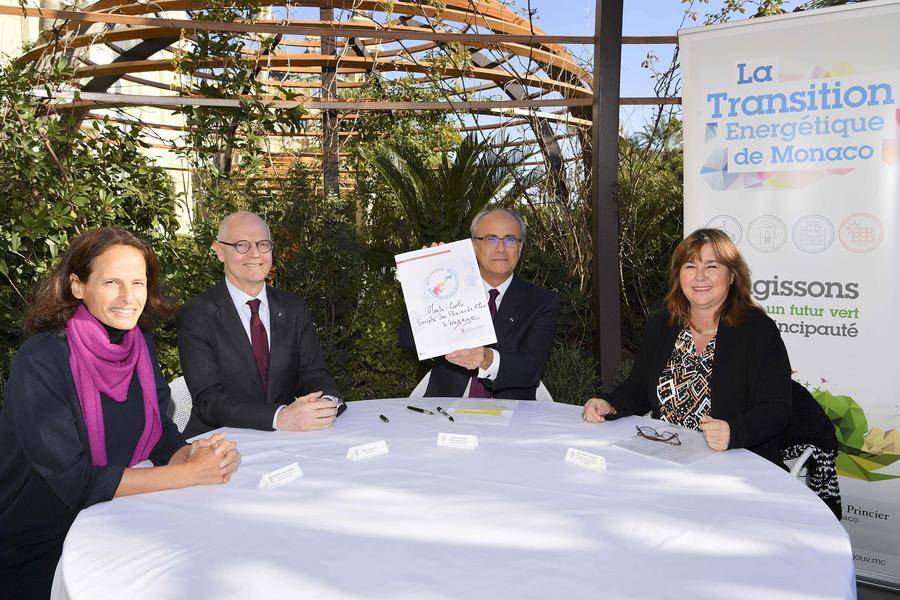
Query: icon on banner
<point>767,233</point>
<point>813,233</point>
<point>861,232</point>
<point>729,225</point>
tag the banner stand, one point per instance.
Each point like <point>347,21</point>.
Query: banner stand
<point>792,146</point>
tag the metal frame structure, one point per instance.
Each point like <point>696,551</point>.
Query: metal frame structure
<point>507,56</point>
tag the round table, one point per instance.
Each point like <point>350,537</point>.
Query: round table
<point>509,519</point>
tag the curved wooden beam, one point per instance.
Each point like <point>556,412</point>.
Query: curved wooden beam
<point>511,57</point>
<point>564,64</point>
<point>310,63</point>
<point>510,31</point>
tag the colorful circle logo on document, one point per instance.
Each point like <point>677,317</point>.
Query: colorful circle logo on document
<point>442,284</point>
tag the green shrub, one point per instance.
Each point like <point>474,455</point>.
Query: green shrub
<point>378,366</point>
<point>571,374</point>
<point>59,179</point>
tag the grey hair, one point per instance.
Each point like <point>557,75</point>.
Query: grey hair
<point>223,226</point>
<point>512,213</point>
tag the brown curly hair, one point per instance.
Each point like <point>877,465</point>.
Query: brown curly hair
<point>739,301</point>
<point>53,302</point>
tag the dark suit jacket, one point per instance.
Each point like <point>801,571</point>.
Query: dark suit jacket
<point>221,373</point>
<point>750,387</point>
<point>525,326</point>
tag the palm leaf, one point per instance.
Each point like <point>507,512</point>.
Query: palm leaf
<point>440,202</point>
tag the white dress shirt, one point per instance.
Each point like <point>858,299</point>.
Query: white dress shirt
<point>240,299</point>
<point>491,372</point>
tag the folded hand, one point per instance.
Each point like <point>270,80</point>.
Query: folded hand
<point>212,460</point>
<point>307,413</point>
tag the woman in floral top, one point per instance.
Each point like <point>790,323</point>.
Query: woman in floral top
<point>711,360</point>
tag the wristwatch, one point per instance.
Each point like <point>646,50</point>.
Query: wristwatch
<point>341,405</point>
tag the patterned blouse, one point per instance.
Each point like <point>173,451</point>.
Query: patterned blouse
<point>683,390</point>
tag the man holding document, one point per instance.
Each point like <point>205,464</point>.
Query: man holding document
<point>524,321</point>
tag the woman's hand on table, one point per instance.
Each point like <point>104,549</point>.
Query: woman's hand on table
<point>187,451</point>
<point>716,431</point>
<point>596,410</point>
<point>209,442</point>
<point>212,460</point>
<point>204,462</point>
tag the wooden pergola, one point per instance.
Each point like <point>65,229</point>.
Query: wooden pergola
<point>514,76</point>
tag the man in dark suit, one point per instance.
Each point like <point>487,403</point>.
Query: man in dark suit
<point>524,321</point>
<point>250,353</point>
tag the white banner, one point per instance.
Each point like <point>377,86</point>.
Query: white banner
<point>792,146</point>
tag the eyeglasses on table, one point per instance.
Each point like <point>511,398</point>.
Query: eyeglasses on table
<point>650,433</point>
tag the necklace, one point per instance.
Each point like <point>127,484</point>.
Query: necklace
<point>705,331</point>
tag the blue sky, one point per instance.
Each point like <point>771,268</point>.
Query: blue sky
<point>642,17</point>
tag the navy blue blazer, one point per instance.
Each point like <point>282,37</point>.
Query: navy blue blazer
<point>750,386</point>
<point>46,472</point>
<point>221,372</point>
<point>525,325</point>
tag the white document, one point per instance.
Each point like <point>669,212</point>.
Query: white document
<point>457,440</point>
<point>483,411</point>
<point>445,299</point>
<point>279,477</point>
<point>585,459</point>
<point>368,450</point>
<point>692,448</point>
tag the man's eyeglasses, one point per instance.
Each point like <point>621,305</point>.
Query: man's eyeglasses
<point>509,241</point>
<point>668,437</point>
<point>243,246</point>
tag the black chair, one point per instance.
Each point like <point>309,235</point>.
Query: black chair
<point>811,428</point>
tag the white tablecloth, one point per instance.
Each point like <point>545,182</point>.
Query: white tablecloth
<point>509,519</point>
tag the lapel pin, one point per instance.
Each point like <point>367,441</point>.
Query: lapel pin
<point>512,320</point>
<point>279,314</point>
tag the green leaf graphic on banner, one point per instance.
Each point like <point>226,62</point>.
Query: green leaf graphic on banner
<point>849,420</point>
<point>858,467</point>
<point>851,428</point>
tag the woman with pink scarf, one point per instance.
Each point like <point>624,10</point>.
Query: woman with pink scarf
<point>86,402</point>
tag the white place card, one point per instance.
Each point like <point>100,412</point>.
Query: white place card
<point>457,440</point>
<point>585,459</point>
<point>368,450</point>
<point>281,476</point>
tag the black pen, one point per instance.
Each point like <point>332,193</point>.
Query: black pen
<point>384,418</point>
<point>444,412</point>
<point>420,410</point>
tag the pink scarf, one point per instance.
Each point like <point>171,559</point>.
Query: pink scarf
<point>101,366</point>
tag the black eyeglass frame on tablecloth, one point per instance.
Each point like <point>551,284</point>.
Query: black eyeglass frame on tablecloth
<point>650,433</point>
